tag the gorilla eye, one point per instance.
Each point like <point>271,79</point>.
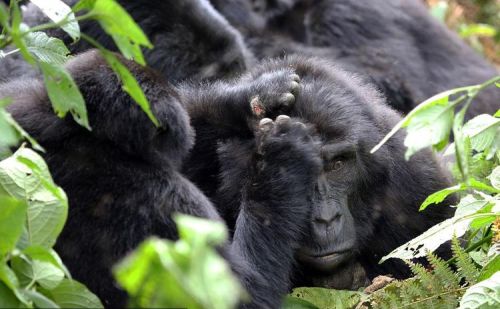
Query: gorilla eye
<point>335,165</point>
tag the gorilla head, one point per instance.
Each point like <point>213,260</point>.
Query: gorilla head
<point>363,205</point>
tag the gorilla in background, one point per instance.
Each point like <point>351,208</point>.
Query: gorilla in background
<point>407,53</point>
<point>363,205</point>
<point>191,40</point>
<point>123,178</point>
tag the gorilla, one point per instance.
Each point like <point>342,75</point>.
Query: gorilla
<point>191,40</point>
<point>362,205</point>
<point>408,54</point>
<point>123,178</point>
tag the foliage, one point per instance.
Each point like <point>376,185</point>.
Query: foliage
<point>314,298</point>
<point>186,273</point>
<point>49,54</point>
<point>476,157</point>
<point>33,214</point>
<point>440,287</point>
<point>33,209</point>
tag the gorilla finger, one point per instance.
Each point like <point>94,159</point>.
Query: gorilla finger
<point>295,78</point>
<point>265,125</point>
<point>283,123</point>
<point>257,107</point>
<point>286,99</point>
<point>294,87</point>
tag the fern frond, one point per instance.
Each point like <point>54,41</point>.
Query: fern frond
<point>442,273</point>
<point>427,280</point>
<point>466,267</point>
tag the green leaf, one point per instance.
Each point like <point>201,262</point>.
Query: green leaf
<point>495,178</point>
<point>116,22</point>
<point>7,298</point>
<point>64,93</point>
<point>45,274</point>
<point>481,130</point>
<point>485,294</point>
<point>439,196</point>
<point>291,302</point>
<point>47,49</point>
<point>47,203</point>
<point>431,116</point>
<point>17,35</point>
<point>46,255</point>
<point>130,84</point>
<point>4,16</point>
<point>12,218</point>
<point>188,273</point>
<point>72,294</point>
<point>60,13</point>
<point>431,239</point>
<point>481,30</point>
<point>327,298</point>
<point>469,205</point>
<point>431,126</point>
<point>40,300</point>
<point>9,278</point>
<point>490,268</point>
<point>196,230</point>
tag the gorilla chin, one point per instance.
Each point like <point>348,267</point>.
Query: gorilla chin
<point>325,263</point>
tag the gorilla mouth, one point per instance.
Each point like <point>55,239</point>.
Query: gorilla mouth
<point>325,262</point>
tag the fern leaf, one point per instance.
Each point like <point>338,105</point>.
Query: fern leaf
<point>442,273</point>
<point>466,267</point>
<point>426,278</point>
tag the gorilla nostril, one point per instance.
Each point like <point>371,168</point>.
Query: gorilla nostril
<point>328,221</point>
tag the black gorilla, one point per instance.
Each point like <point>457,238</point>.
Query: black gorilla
<point>362,205</point>
<point>191,40</point>
<point>123,179</point>
<point>408,54</point>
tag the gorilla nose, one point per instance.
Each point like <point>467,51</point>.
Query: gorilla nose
<point>327,220</point>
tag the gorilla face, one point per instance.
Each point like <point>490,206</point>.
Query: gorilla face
<point>364,205</point>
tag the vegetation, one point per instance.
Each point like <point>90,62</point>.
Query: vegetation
<point>189,272</point>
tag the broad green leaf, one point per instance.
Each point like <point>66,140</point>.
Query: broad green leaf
<point>7,298</point>
<point>482,130</point>
<point>437,107</point>
<point>47,49</point>
<point>72,294</point>
<point>291,302</point>
<point>9,278</point>
<point>46,255</point>
<point>191,229</point>
<point>497,114</point>
<point>47,204</point>
<point>485,294</point>
<point>469,205</point>
<point>439,196</point>
<point>60,13</point>
<point>490,268</point>
<point>116,22</point>
<point>187,273</point>
<point>45,274</point>
<point>64,93</point>
<point>431,239</point>
<point>40,300</point>
<point>327,298</point>
<point>495,178</point>
<point>12,218</point>
<point>431,126</point>
<point>130,84</point>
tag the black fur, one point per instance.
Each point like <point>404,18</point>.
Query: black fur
<point>191,40</point>
<point>407,53</point>
<point>366,208</point>
<point>123,178</point>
